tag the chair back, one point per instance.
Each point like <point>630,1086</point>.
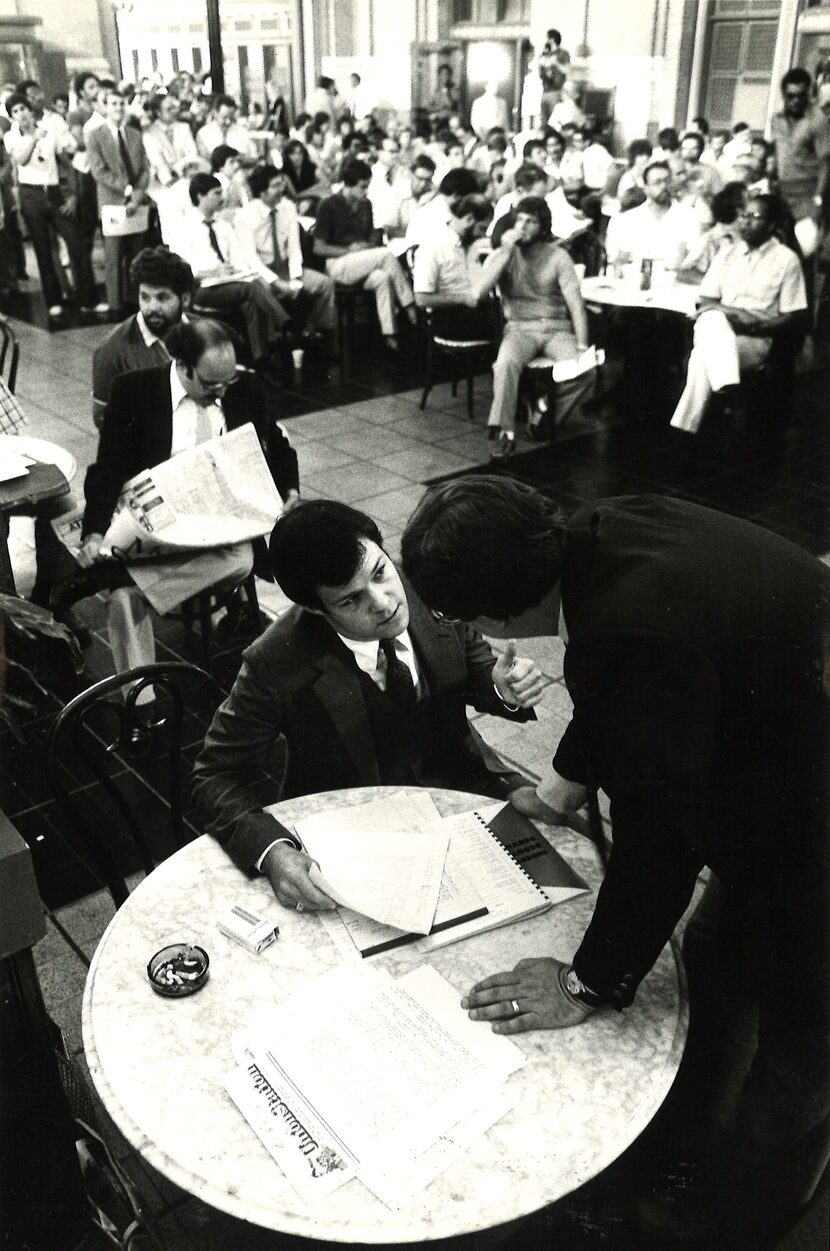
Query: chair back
<point>106,735</point>
<point>9,354</point>
<point>585,248</point>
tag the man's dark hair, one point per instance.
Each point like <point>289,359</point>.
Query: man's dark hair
<point>201,184</point>
<point>638,147</point>
<point>16,98</point>
<point>458,182</point>
<point>701,124</point>
<point>424,162</point>
<point>668,138</point>
<point>325,82</point>
<point>797,77</point>
<point>227,100</point>
<point>355,172</point>
<point>483,546</point>
<point>26,85</point>
<point>221,155</point>
<point>528,175</point>
<point>261,177</point>
<point>60,95</point>
<point>497,143</point>
<point>357,76</point>
<point>697,137</point>
<point>188,341</point>
<point>727,201</point>
<point>159,267</point>
<point>530,147</point>
<point>535,206</point>
<point>633,197</point>
<point>664,165</point>
<point>319,543</point>
<point>554,36</point>
<point>321,119</point>
<point>481,208</point>
<point>81,79</point>
<point>772,205</point>
<point>739,128</point>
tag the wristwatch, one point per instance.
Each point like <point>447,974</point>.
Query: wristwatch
<point>577,989</point>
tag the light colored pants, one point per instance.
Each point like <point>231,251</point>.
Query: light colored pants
<point>316,299</point>
<point>377,270</point>
<point>717,360</point>
<point>523,341</point>
<point>130,618</point>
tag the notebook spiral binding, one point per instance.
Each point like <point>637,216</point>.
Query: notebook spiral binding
<point>510,855</point>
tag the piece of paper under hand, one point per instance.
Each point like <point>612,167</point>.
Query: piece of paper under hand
<point>392,878</point>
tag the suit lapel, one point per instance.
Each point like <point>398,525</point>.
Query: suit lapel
<point>337,686</point>
<point>436,644</point>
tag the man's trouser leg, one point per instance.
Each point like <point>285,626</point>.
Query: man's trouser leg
<point>522,341</point>
<point>368,268</point>
<point>262,313</point>
<point>318,292</point>
<point>716,361</point>
<point>34,205</point>
<point>79,259</point>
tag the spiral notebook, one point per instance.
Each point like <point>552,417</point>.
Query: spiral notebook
<point>515,870</point>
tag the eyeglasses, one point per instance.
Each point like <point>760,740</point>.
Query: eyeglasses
<point>751,217</point>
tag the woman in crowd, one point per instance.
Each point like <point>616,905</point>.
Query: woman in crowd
<point>306,184</point>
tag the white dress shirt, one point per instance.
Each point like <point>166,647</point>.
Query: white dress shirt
<point>642,233</point>
<point>191,240</point>
<point>41,169</point>
<point>212,136</point>
<point>253,229</point>
<point>371,660</point>
<point>188,416</point>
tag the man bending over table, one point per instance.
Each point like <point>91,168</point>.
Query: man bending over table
<point>358,685</point>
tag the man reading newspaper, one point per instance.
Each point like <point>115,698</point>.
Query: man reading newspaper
<point>153,415</point>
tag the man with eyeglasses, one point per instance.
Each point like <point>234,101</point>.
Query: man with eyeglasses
<point>153,414</point>
<point>388,188</point>
<point>358,685</point>
<point>752,291</point>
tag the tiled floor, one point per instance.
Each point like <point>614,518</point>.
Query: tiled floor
<point>362,439</point>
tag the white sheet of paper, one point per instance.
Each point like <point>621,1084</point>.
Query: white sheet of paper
<point>388,876</point>
<point>401,812</point>
<point>417,1065</point>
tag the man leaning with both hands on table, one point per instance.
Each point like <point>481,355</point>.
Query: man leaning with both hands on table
<point>360,685</point>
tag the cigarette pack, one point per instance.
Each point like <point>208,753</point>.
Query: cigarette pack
<point>249,929</point>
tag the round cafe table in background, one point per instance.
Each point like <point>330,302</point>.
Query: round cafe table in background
<point>158,1064</point>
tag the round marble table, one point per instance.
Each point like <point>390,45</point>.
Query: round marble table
<point>584,1095</point>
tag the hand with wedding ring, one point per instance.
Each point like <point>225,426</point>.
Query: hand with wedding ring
<point>287,871</point>
<point>529,997</point>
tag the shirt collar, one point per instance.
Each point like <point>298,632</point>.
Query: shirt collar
<point>367,653</point>
<point>147,334</point>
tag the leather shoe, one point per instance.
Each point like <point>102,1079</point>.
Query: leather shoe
<point>106,575</point>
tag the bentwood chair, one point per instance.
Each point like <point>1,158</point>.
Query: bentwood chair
<point>114,766</point>
<point>9,354</point>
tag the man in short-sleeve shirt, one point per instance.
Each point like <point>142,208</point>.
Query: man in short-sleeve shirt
<point>751,290</point>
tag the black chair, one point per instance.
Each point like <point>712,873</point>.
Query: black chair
<point>585,248</point>
<point>467,355</point>
<point>205,604</point>
<point>348,299</point>
<point>9,354</point>
<point>103,736</point>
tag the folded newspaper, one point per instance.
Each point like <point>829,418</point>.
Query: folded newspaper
<point>591,358</point>
<point>217,493</point>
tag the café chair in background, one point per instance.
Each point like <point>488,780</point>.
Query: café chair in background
<point>114,764</point>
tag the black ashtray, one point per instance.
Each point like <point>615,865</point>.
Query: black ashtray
<point>178,970</point>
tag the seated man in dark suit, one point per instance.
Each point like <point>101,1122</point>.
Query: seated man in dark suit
<point>164,283</point>
<point>154,414</point>
<point>698,661</point>
<point>359,685</point>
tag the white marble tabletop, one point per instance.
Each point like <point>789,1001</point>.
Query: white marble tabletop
<point>666,295</point>
<point>584,1095</point>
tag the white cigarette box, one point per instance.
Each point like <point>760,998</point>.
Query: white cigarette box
<point>249,929</point>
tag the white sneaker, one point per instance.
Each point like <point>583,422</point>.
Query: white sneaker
<point>55,310</point>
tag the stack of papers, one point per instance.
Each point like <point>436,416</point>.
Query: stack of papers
<point>424,1082</point>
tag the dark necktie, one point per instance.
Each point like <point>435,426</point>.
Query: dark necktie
<point>273,216</point>
<point>400,687</point>
<point>214,242</point>
<point>125,157</point>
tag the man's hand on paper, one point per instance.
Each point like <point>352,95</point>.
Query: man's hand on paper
<point>91,550</point>
<point>534,986</point>
<point>287,871</point>
<point>517,680</point>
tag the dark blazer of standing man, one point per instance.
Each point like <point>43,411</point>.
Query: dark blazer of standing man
<point>118,164</point>
<point>315,687</point>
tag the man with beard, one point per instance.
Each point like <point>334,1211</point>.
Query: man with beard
<point>659,230</point>
<point>165,285</point>
<point>545,317</point>
<point>448,270</point>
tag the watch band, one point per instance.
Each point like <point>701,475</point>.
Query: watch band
<point>576,988</point>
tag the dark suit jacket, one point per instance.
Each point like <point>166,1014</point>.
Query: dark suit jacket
<point>137,433</point>
<point>107,167</point>
<point>694,657</point>
<point>299,686</point>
